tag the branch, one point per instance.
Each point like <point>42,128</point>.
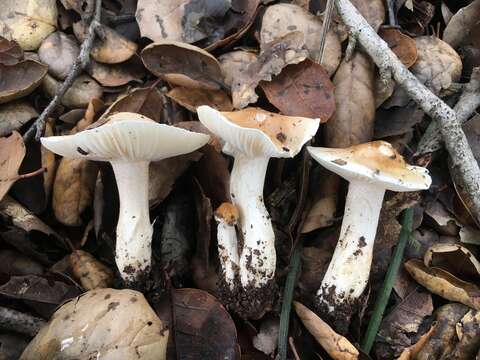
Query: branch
<point>80,63</point>
<point>463,161</point>
<point>465,107</point>
<point>13,320</point>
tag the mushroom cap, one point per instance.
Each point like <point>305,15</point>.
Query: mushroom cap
<point>254,132</point>
<point>128,137</point>
<point>375,162</point>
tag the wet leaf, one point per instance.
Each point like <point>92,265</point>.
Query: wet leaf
<point>28,22</point>
<point>444,284</point>
<point>274,57</point>
<point>454,258</point>
<point>112,49</point>
<point>353,121</point>
<point>303,89</point>
<point>59,51</point>
<point>12,152</point>
<point>91,273</point>
<point>20,79</point>
<point>14,115</point>
<point>281,19</point>
<point>116,324</point>
<point>10,52</point>
<point>116,74</point>
<point>193,98</point>
<point>402,45</point>
<point>183,65</point>
<point>337,346</point>
<point>464,27</point>
<point>234,63</point>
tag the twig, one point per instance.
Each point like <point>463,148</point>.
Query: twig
<point>13,320</point>
<point>463,161</point>
<point>27,175</point>
<point>326,26</point>
<point>382,300</point>
<point>80,63</point>
<point>392,12</point>
<point>465,107</point>
<point>293,348</point>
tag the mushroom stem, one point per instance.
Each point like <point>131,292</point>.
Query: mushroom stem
<point>134,231</point>
<point>228,252</point>
<point>348,271</point>
<point>257,260</point>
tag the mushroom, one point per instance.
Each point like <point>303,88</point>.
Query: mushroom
<point>252,136</point>
<point>371,169</point>
<point>129,142</point>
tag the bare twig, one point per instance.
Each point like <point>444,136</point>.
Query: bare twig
<point>13,320</point>
<point>80,63</point>
<point>465,107</point>
<point>392,12</point>
<point>327,19</point>
<point>463,161</point>
<point>27,175</point>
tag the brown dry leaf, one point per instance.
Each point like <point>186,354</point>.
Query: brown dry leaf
<point>464,27</point>
<point>116,74</point>
<point>314,264</point>
<point>353,121</point>
<point>183,64</point>
<point>82,91</point>
<point>80,6</point>
<point>48,163</point>
<point>234,63</point>
<point>337,346</point>
<point>193,98</point>
<point>59,51</point>
<point>10,52</point>
<point>372,10</point>
<point>444,284</point>
<point>454,258</point>
<point>20,80</point>
<point>113,49</point>
<point>397,120</point>
<point>402,45</point>
<point>411,352</point>
<point>118,324</point>
<point>302,89</point>
<point>28,22</point>
<point>281,19</point>
<point>91,273</point>
<point>468,334</point>
<point>164,173</point>
<point>12,152</point>
<point>14,115</point>
<point>274,57</point>
<point>440,219</point>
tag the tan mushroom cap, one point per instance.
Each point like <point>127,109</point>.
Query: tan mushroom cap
<point>256,132</point>
<point>127,136</point>
<point>374,162</point>
<point>227,213</point>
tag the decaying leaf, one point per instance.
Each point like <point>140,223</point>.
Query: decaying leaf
<point>14,115</point>
<point>183,64</point>
<point>116,74</point>
<point>337,346</point>
<point>440,219</point>
<point>302,89</point>
<point>281,52</point>
<point>411,352</point>
<point>464,27</point>
<point>20,79</point>
<point>444,284</point>
<point>373,11</point>
<point>402,45</point>
<point>234,63</point>
<point>397,120</point>
<point>281,19</point>
<point>468,333</point>
<point>10,52</point>
<point>454,258</point>
<point>15,263</point>
<point>91,273</point>
<point>113,324</point>
<point>59,51</point>
<point>192,98</point>
<point>353,121</point>
<point>48,163</point>
<point>12,152</point>
<point>28,22</point>
<point>112,49</point>
<point>80,6</point>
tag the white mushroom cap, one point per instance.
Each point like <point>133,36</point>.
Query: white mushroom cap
<point>127,136</point>
<point>256,132</point>
<point>374,162</point>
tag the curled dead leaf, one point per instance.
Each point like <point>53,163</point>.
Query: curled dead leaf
<point>193,98</point>
<point>13,115</point>
<point>91,273</point>
<point>10,52</point>
<point>12,152</point>
<point>411,352</point>
<point>402,45</point>
<point>59,51</point>
<point>20,79</point>
<point>116,74</point>
<point>464,27</point>
<point>454,258</point>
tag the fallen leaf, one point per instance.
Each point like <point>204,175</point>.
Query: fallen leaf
<point>116,74</point>
<point>112,49</point>
<point>12,152</point>
<point>302,89</point>
<point>13,344</point>
<point>266,340</point>
<point>59,51</point>
<point>454,258</point>
<point>416,19</point>
<point>469,235</point>
<point>116,324</point>
<point>353,121</point>
<point>397,120</point>
<point>464,27</point>
<point>234,63</point>
<point>28,22</point>
<point>402,45</point>
<point>91,273</point>
<point>440,219</point>
<point>10,52</point>
<point>13,115</point>
<point>20,80</point>
<point>281,19</point>
<point>444,284</point>
<point>14,263</point>
<point>273,58</point>
<point>48,163</point>
<point>337,346</point>
<point>192,98</point>
<point>83,7</point>
<point>183,64</point>
<point>411,352</point>
<point>372,11</point>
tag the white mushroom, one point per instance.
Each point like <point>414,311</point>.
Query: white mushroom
<point>371,169</point>
<point>252,136</point>
<point>129,142</point>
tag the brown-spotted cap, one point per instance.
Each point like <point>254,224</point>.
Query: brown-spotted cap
<point>127,136</point>
<point>375,162</point>
<point>256,132</point>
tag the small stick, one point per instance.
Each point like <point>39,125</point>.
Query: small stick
<point>326,25</point>
<point>80,63</point>
<point>13,320</point>
<point>27,175</point>
<point>293,348</point>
